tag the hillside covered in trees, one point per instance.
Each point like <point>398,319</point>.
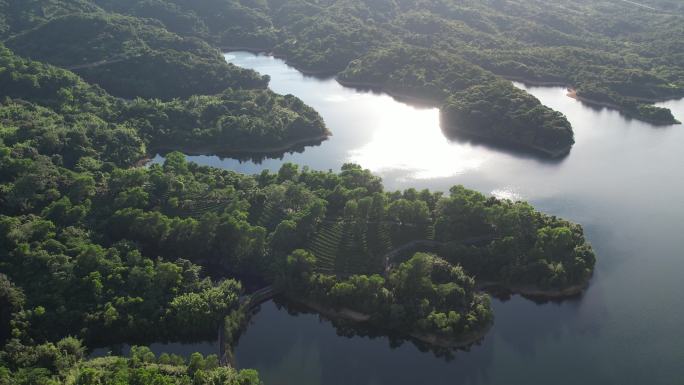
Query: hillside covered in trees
<point>131,57</point>
<point>235,120</point>
<point>612,52</point>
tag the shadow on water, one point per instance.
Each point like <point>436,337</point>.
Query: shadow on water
<point>312,349</point>
<point>424,103</point>
<point>503,294</point>
<point>305,341</point>
<point>594,106</point>
<point>516,151</point>
<point>552,323</point>
<point>351,329</point>
<point>254,157</point>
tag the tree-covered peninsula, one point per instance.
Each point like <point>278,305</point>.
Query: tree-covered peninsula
<point>126,246</point>
<point>425,298</point>
<point>235,121</point>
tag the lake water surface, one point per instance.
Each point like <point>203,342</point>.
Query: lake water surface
<point>622,181</point>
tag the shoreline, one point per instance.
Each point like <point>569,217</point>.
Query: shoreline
<point>289,146</point>
<point>227,49</point>
<point>430,102</point>
<point>271,52</point>
<point>552,83</point>
<point>537,83</point>
<point>536,292</point>
<point>464,341</point>
<point>432,339</point>
<point>427,101</point>
<point>549,153</point>
<point>572,93</point>
<point>342,313</point>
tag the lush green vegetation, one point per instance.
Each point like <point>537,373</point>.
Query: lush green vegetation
<point>419,71</point>
<point>425,297</point>
<point>500,111</point>
<point>233,122</point>
<point>511,243</point>
<point>617,51</point>
<point>64,363</point>
<point>255,121</point>
<point>224,23</point>
<point>131,57</point>
<point>360,264</point>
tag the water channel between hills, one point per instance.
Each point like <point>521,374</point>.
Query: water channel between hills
<point>622,181</point>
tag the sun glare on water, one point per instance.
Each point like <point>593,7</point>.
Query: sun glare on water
<point>409,139</point>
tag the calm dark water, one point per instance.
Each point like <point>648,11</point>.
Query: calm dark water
<point>622,181</point>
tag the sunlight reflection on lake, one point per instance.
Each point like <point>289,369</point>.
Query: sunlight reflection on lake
<point>394,145</point>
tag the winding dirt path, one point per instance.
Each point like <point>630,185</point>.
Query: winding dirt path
<point>95,64</point>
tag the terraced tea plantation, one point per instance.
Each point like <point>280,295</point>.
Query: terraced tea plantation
<point>344,247</point>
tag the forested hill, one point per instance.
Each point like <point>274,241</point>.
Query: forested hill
<point>250,121</point>
<point>132,57</point>
<point>620,53</point>
<point>610,51</point>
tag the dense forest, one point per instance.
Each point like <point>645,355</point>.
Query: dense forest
<point>130,57</point>
<point>612,52</point>
<point>65,362</point>
<point>257,120</point>
<point>97,248</point>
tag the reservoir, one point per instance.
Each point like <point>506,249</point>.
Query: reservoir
<point>622,181</point>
